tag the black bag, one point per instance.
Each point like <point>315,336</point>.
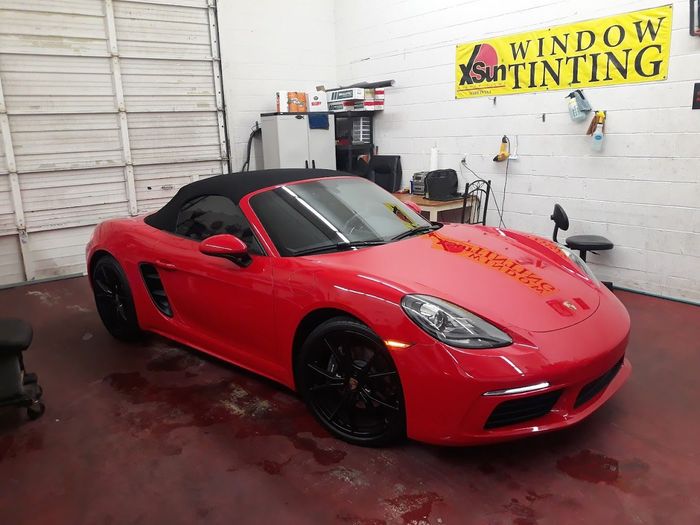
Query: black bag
<point>441,185</point>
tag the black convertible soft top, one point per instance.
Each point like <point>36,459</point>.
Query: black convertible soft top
<point>232,185</point>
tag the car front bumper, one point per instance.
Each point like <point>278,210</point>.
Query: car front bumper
<point>578,369</point>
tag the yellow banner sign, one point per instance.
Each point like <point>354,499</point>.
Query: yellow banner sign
<point>632,47</point>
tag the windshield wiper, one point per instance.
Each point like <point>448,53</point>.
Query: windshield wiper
<point>417,231</point>
<point>338,246</point>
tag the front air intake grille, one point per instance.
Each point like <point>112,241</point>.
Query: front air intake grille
<point>522,409</point>
<point>596,386</point>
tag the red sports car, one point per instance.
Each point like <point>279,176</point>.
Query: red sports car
<point>386,324</point>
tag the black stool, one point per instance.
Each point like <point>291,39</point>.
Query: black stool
<point>17,387</point>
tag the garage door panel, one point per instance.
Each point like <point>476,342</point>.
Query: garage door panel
<point>171,103</point>
<point>175,154</point>
<point>3,160</point>
<point>71,198</point>
<point>63,91</point>
<point>149,67</point>
<point>54,84</point>
<point>68,66</point>
<point>155,185</point>
<point>7,212</point>
<point>167,17</point>
<point>11,270</point>
<point>58,219</point>
<point>22,22</point>
<point>58,104</point>
<point>163,50</point>
<point>38,143</point>
<point>143,141</point>
<point>66,142</point>
<point>57,255</point>
<point>51,84</point>
<point>182,3</point>
<point>74,196</point>
<point>167,85</point>
<point>69,161</point>
<point>149,11</point>
<point>180,119</point>
<point>51,45</point>
<point>81,7</point>
<point>170,137</point>
<point>70,122</point>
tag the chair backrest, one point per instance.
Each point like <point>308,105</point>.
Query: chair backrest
<point>561,221</point>
<point>385,170</point>
<point>476,196</point>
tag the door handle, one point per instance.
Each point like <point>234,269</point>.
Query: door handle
<point>165,265</point>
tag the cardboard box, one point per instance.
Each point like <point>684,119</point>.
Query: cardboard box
<point>347,105</point>
<point>340,95</point>
<point>291,102</point>
<point>369,105</point>
<point>317,101</point>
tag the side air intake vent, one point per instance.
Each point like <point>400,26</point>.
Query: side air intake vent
<point>155,288</point>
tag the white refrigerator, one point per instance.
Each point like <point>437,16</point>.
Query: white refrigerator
<point>289,142</point>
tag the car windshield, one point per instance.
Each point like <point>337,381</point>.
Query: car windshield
<point>334,214</point>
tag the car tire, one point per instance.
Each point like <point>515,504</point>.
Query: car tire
<point>349,381</point>
<point>113,299</point>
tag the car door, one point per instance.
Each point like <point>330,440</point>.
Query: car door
<point>220,306</point>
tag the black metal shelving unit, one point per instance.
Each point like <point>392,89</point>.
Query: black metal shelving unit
<point>346,154</point>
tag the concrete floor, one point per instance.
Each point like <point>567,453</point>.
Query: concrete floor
<point>156,433</point>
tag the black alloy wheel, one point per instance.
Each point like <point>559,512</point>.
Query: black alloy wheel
<point>350,383</point>
<point>113,299</point>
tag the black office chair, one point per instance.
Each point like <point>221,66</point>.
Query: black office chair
<point>17,387</point>
<point>477,194</point>
<point>385,170</point>
<point>582,243</point>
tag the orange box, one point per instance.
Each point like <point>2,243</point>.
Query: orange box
<point>291,101</point>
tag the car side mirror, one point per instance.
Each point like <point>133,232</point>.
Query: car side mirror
<point>226,246</point>
<point>414,207</point>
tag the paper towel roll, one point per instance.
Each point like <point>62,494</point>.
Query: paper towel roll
<point>433,158</point>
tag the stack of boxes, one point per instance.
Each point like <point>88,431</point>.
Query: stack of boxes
<point>301,102</point>
<point>356,99</point>
<point>346,99</point>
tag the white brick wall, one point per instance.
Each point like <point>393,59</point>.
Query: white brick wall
<point>269,46</point>
<point>642,191</point>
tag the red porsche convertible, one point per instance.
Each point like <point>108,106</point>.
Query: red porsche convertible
<point>386,324</point>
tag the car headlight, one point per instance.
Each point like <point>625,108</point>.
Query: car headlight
<point>574,258</point>
<point>451,324</point>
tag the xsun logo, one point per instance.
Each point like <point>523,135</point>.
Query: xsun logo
<point>483,66</point>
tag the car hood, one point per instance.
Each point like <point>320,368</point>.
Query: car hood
<point>510,278</point>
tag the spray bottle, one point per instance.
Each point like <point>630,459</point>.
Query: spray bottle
<point>575,111</point>
<point>597,131</point>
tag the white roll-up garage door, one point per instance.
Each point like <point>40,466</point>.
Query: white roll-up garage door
<point>107,107</point>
